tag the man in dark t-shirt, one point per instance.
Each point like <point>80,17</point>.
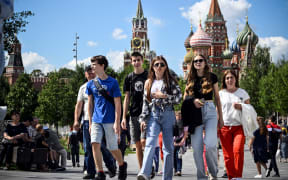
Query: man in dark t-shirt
<point>134,89</point>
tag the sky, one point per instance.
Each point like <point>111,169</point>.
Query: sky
<point>105,27</point>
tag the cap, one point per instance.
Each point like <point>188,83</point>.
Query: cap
<point>88,68</point>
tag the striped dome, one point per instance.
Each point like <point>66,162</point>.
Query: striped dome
<point>235,47</point>
<point>200,38</point>
<point>187,41</point>
<point>243,36</point>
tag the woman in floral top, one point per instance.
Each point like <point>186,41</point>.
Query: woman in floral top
<point>160,94</point>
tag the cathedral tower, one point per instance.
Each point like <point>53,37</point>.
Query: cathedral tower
<point>216,28</point>
<point>15,65</point>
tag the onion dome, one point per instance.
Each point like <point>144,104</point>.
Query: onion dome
<point>200,38</point>
<point>227,54</point>
<point>189,56</point>
<point>187,41</point>
<point>126,55</point>
<point>242,38</point>
<point>235,47</point>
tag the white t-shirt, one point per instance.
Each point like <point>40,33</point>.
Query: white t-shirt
<point>156,86</point>
<point>231,116</point>
<point>82,96</point>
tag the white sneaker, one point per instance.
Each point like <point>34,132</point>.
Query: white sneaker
<point>258,176</point>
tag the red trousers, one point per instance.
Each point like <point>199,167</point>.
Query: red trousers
<point>161,145</point>
<point>232,141</point>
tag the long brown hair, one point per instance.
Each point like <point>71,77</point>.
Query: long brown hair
<point>167,77</point>
<point>224,86</point>
<point>206,84</point>
<point>262,126</point>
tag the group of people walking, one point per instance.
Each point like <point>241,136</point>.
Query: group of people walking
<point>149,98</point>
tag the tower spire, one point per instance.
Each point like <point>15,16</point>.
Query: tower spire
<point>214,9</point>
<point>139,13</point>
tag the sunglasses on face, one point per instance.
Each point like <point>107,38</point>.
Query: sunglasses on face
<point>198,60</point>
<point>159,64</point>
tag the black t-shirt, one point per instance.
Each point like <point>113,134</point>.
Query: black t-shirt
<point>260,140</point>
<point>74,138</point>
<point>198,87</point>
<point>15,130</point>
<point>134,83</point>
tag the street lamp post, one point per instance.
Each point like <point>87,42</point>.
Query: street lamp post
<point>75,48</point>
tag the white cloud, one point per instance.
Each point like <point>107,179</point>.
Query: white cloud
<point>72,63</point>
<point>181,8</point>
<point>278,46</point>
<point>92,43</point>
<point>115,59</point>
<point>32,60</point>
<point>233,11</point>
<point>156,21</point>
<point>118,34</point>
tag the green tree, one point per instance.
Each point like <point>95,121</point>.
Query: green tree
<point>37,73</point>
<point>5,88</point>
<point>22,97</point>
<point>261,61</point>
<point>14,25</point>
<point>55,103</point>
<point>66,73</point>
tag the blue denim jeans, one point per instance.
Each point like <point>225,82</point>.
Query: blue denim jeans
<point>209,118</point>
<point>159,121</point>
<point>89,160</point>
<point>156,158</point>
<point>177,160</point>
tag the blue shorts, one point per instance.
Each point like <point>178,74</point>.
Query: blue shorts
<point>98,130</point>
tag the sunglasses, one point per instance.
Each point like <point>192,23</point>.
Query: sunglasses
<point>159,64</point>
<point>198,60</point>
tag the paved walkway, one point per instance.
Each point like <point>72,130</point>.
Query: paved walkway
<point>189,170</point>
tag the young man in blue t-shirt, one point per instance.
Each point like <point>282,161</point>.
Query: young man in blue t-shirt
<point>104,116</point>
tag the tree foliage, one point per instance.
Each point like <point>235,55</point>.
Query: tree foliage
<point>274,88</point>
<point>250,79</point>
<point>5,88</point>
<point>56,102</point>
<point>14,25</point>
<point>37,73</point>
<point>22,97</point>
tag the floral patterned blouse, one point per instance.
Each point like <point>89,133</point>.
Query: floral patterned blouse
<point>172,99</point>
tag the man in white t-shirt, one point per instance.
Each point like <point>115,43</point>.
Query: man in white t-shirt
<point>82,105</point>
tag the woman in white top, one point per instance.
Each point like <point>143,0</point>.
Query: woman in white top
<point>232,135</point>
<point>161,92</point>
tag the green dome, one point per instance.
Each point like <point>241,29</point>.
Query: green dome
<point>243,36</point>
<point>227,54</point>
<point>189,56</point>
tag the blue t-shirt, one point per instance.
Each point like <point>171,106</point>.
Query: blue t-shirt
<point>104,111</point>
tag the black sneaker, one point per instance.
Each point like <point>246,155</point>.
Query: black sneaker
<point>152,173</point>
<point>123,172</point>
<point>100,176</point>
<point>61,169</point>
<point>89,176</point>
<point>268,173</point>
<point>276,175</point>
<point>225,175</point>
<point>112,172</point>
